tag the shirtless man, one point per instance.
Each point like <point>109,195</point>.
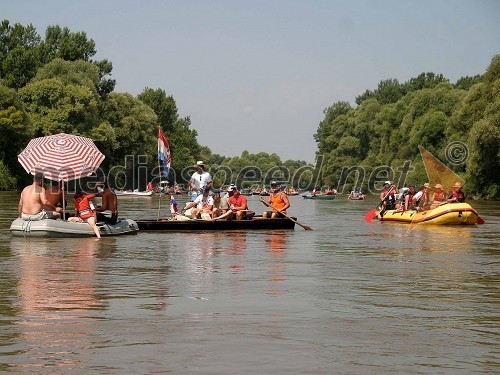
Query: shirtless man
<point>33,200</point>
<point>108,203</point>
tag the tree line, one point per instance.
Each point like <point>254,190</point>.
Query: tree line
<point>52,84</point>
<point>389,123</point>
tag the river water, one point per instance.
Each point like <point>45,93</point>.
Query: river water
<point>349,297</point>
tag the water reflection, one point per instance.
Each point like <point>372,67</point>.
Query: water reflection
<point>57,292</point>
<point>277,243</point>
<point>211,253</point>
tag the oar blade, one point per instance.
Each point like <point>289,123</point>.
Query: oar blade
<point>370,215</point>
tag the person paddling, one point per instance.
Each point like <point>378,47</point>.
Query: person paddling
<point>277,200</point>
<point>457,196</point>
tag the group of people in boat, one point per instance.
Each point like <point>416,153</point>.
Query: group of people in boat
<point>208,203</point>
<point>37,203</point>
<point>408,198</point>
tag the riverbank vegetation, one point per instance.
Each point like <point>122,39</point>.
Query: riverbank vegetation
<point>459,123</point>
<point>52,84</point>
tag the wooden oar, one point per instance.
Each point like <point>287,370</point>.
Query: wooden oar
<point>288,217</point>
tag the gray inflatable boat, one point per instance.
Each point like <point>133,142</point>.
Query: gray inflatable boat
<point>60,228</point>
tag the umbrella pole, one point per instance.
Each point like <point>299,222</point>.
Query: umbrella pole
<point>64,203</point>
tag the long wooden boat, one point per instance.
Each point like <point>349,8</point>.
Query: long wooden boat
<point>197,225</point>
<point>61,228</point>
<point>326,197</point>
<point>447,214</point>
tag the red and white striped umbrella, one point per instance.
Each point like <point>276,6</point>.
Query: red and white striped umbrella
<point>61,157</point>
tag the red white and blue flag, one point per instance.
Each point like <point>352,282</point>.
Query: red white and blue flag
<point>164,156</point>
<point>173,205</point>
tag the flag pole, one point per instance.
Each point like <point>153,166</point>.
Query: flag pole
<point>159,172</point>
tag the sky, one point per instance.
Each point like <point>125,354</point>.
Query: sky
<point>257,75</point>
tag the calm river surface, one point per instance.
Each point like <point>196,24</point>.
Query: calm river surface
<point>349,297</point>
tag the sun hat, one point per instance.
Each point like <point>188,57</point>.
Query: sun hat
<point>426,185</point>
<point>438,186</point>
<point>198,163</point>
<point>387,182</point>
<point>273,183</point>
<point>457,185</point>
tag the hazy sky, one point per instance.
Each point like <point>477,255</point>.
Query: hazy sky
<point>257,75</point>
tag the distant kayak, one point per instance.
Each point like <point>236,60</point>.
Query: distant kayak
<point>319,196</point>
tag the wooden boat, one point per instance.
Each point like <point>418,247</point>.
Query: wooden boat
<point>121,193</point>
<point>319,196</point>
<point>196,225</point>
<point>447,214</point>
<point>61,228</point>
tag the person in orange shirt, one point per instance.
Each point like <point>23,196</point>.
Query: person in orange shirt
<point>278,200</point>
<point>85,211</point>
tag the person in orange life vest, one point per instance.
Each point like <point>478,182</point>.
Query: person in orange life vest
<point>438,197</point>
<point>85,211</point>
<point>278,200</point>
<point>238,204</point>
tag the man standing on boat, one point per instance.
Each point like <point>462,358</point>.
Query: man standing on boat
<point>33,200</point>
<point>200,180</point>
<point>278,200</point>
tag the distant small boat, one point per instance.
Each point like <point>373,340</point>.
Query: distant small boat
<point>319,196</point>
<point>134,193</point>
<point>355,196</point>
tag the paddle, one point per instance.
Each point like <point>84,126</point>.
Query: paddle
<point>288,217</point>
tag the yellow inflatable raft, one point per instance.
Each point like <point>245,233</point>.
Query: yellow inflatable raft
<point>447,214</point>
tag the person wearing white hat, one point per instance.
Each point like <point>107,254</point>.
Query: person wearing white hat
<point>388,197</point>
<point>199,180</point>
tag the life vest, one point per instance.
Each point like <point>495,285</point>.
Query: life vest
<point>410,199</point>
<point>459,195</point>
<point>82,205</point>
<point>277,201</point>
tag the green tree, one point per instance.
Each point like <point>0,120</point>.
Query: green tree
<point>20,55</point>
<point>15,132</point>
